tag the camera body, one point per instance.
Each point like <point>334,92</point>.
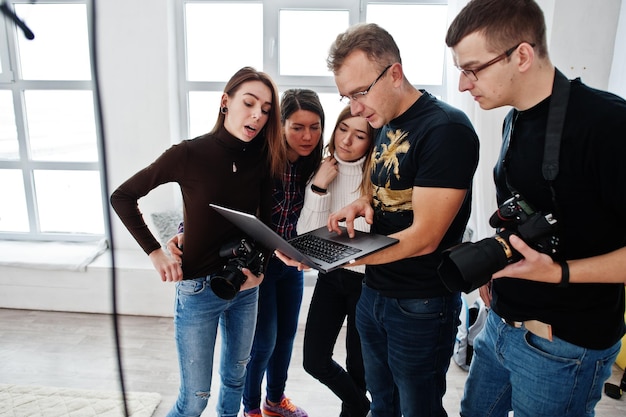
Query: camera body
<point>536,229</point>
<point>240,254</point>
<point>468,266</point>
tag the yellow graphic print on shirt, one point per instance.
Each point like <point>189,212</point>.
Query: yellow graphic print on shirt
<point>386,167</point>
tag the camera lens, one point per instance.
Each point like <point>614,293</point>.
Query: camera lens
<point>227,286</point>
<point>470,265</point>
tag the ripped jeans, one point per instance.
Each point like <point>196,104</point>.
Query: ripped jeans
<point>198,311</point>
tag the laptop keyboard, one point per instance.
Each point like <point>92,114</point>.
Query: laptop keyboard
<point>323,249</point>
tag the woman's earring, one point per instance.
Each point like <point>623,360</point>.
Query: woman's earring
<point>224,110</point>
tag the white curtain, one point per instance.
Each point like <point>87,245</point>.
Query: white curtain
<point>617,79</point>
<point>488,126</point>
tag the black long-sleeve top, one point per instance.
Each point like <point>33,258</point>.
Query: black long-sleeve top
<point>218,169</point>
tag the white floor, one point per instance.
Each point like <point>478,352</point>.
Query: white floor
<point>77,350</point>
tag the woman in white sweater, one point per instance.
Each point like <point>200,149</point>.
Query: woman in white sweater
<point>341,179</point>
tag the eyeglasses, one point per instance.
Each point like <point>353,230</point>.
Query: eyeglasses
<point>356,96</point>
<point>471,73</point>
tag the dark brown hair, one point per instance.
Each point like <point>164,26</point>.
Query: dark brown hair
<point>303,99</point>
<point>504,23</point>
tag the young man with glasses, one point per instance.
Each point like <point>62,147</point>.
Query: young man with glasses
<point>424,159</point>
<point>555,323</point>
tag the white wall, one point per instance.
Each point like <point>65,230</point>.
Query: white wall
<point>583,38</point>
<point>139,93</point>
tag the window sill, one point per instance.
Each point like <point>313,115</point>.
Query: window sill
<point>139,290</point>
<point>66,256</point>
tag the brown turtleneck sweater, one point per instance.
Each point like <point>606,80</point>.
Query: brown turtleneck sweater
<point>218,169</point>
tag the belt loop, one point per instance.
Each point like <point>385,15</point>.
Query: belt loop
<point>516,324</point>
<point>536,327</point>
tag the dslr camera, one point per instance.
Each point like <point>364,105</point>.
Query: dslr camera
<point>468,266</point>
<point>239,254</point>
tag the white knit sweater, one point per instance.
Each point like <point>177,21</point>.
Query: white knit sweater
<point>344,189</point>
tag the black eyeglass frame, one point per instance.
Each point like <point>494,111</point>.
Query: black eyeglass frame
<point>471,73</point>
<point>360,94</point>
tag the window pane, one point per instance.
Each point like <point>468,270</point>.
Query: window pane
<point>204,107</point>
<point>215,49</point>
<point>332,107</point>
<point>303,46</point>
<point>61,125</point>
<point>60,50</point>
<point>69,201</point>
<point>419,31</point>
<point>13,213</point>
<point>8,131</point>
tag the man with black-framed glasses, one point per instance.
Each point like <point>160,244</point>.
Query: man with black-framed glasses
<point>557,315</point>
<point>471,73</point>
<point>425,156</point>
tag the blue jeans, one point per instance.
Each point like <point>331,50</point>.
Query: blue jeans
<point>513,369</point>
<point>198,312</point>
<point>407,345</point>
<point>280,296</point>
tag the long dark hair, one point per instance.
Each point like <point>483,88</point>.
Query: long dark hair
<point>272,130</point>
<point>302,99</point>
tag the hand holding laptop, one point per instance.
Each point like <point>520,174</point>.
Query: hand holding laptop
<point>358,208</point>
<point>289,261</point>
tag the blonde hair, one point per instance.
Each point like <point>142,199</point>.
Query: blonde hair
<point>376,42</point>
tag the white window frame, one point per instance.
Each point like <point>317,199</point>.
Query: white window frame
<point>271,8</point>
<point>6,75</point>
<point>9,80</point>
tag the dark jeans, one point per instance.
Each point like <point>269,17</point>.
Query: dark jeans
<point>280,296</point>
<point>407,345</point>
<point>334,299</point>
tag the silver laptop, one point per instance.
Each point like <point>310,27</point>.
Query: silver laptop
<point>319,249</point>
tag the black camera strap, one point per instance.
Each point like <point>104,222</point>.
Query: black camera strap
<point>554,129</point>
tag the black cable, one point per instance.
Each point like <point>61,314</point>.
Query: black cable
<point>105,191</point>
<point>10,14</point>
<point>6,10</point>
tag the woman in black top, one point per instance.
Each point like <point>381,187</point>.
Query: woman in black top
<point>231,166</point>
